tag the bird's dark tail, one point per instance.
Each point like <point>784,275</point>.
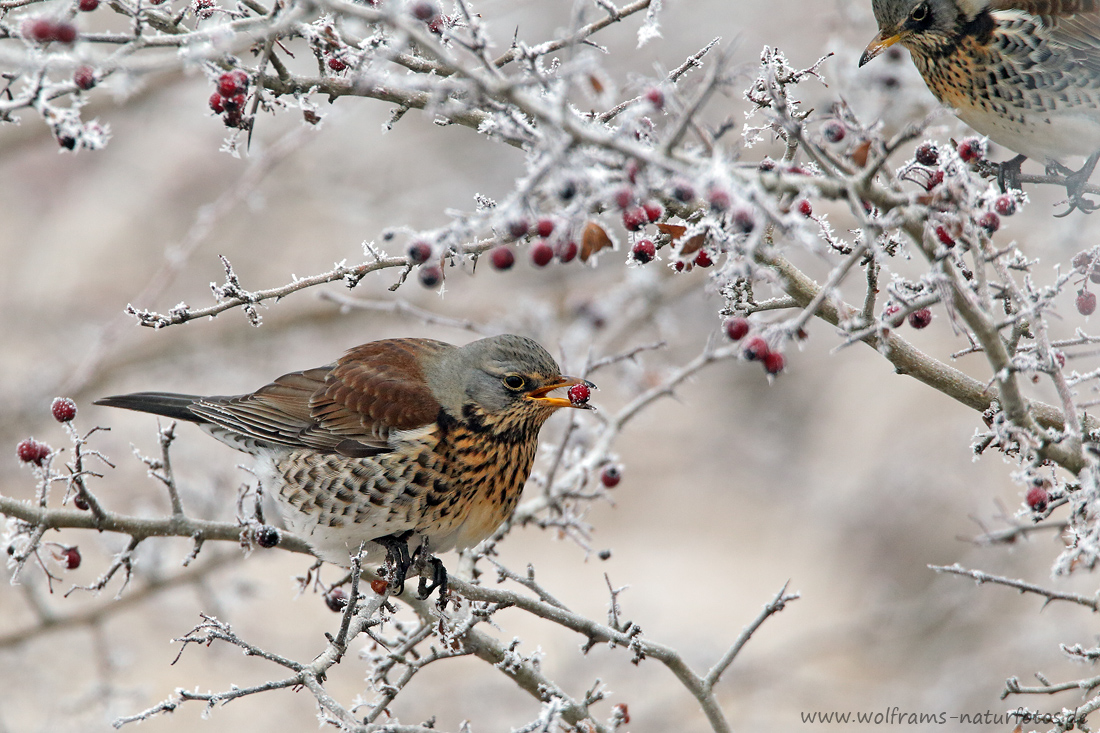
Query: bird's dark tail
<point>175,406</point>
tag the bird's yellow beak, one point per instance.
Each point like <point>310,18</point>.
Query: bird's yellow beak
<point>540,395</point>
<point>878,44</point>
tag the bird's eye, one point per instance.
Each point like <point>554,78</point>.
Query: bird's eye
<point>920,13</point>
<point>514,382</point>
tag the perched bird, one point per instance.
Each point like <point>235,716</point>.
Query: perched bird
<point>1025,73</point>
<point>400,443</point>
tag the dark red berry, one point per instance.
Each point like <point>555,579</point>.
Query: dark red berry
<point>928,154</point>
<point>81,503</point>
<point>419,252</point>
<point>656,97</point>
<point>64,32</point>
<point>267,536</point>
<point>1086,302</point>
<point>430,275</point>
<point>84,77</point>
<point>611,476</point>
<point>1038,498</point>
<point>30,450</point>
<point>920,318</point>
<point>971,149</point>
<point>544,227</point>
<point>633,168</point>
<point>635,218</point>
<point>1082,261</point>
<point>805,207</point>
<point>66,141</point>
<point>337,64</point>
<point>424,10</point>
<point>652,210</point>
<point>989,222</point>
<point>703,259</point>
<point>767,165</point>
<point>774,362</point>
<point>437,24</point>
<point>945,237</point>
<point>216,103</point>
<point>567,250</point>
<point>744,220</point>
<point>756,348</point>
<point>834,131</point>
<point>379,586</point>
<point>1005,205</point>
<point>87,6</point>
<point>70,556</point>
<point>518,228</point>
<point>934,180</point>
<point>683,192</point>
<point>40,30</point>
<point>232,83</point>
<point>737,328</point>
<point>718,199</point>
<point>567,191</point>
<point>336,600</point>
<point>678,265</point>
<point>579,394</point>
<point>624,197</point>
<point>63,409</point>
<point>234,104</point>
<point>502,258</point>
<point>643,251</point>
<point>541,253</point>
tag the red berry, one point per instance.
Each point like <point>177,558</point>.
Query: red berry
<point>542,253</point>
<point>624,197</point>
<point>971,149</point>
<point>643,251</point>
<point>718,199</point>
<point>544,227</point>
<point>737,328</point>
<point>678,266</point>
<point>652,210</point>
<point>703,259</point>
<point>232,83</point>
<point>579,394</point>
<point>774,362</point>
<point>71,557</point>
<point>80,503</point>
<point>920,318</point>
<point>336,599</point>
<point>683,192</point>
<point>419,252</point>
<point>430,275</point>
<point>1086,302</point>
<point>424,10</point>
<point>834,131</point>
<point>767,165</point>
<point>40,30</point>
<point>1082,261</point>
<point>744,220</point>
<point>567,251</point>
<point>989,222</point>
<point>64,32</point>
<point>1005,205</point>
<point>234,104</point>
<point>928,154</point>
<point>337,64</point>
<point>934,180</point>
<point>1037,498</point>
<point>267,536</point>
<point>656,97</point>
<point>84,77</point>
<point>945,237</point>
<point>63,409</point>
<point>216,103</point>
<point>379,586</point>
<point>611,476</point>
<point>756,348</point>
<point>437,24</point>
<point>87,6</point>
<point>31,451</point>
<point>805,208</point>
<point>502,258</point>
<point>518,228</point>
<point>635,218</point>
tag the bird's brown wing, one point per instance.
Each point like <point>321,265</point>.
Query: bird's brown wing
<point>1074,24</point>
<point>349,407</point>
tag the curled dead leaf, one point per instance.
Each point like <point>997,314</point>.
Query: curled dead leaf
<point>593,240</point>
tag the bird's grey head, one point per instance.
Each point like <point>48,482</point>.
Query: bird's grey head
<point>926,23</point>
<point>495,375</point>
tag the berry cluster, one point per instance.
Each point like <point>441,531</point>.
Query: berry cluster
<point>30,450</point>
<point>756,347</point>
<point>229,99</point>
<point>552,241</point>
<point>1087,263</point>
<point>47,30</point>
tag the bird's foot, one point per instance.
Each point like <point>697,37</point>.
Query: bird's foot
<point>1076,183</point>
<point>398,560</point>
<point>438,574</point>
<point>1008,173</point>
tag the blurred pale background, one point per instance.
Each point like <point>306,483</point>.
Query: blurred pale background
<point>841,477</point>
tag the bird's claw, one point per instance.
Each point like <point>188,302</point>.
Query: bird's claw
<point>1076,183</point>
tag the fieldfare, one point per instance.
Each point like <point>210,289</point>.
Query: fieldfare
<point>401,443</point>
<point>1025,73</point>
